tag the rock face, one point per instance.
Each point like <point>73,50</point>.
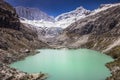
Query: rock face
<point>53,31</point>
<point>8,16</point>
<point>15,35</point>
<point>99,31</point>
<point>49,34</point>
<point>46,34</point>
<point>16,42</point>
<point>33,14</point>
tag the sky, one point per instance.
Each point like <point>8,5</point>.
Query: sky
<point>57,7</point>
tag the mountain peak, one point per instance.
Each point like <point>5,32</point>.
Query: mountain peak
<point>80,8</point>
<point>62,20</point>
<point>33,14</point>
<point>80,11</point>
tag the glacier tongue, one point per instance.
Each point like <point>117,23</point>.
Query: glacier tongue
<point>62,23</point>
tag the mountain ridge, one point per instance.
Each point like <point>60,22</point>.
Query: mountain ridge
<point>63,23</point>
<point>33,14</point>
<point>44,27</point>
<point>79,11</point>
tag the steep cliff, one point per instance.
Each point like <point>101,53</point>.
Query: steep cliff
<point>14,36</point>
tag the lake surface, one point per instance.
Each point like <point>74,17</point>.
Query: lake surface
<point>64,64</point>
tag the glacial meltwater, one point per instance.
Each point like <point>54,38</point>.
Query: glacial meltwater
<point>65,64</point>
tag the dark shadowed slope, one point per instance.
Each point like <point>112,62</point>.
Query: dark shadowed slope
<point>16,42</point>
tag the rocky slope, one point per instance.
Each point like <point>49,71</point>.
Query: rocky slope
<point>46,34</point>
<point>104,23</point>
<point>16,42</point>
<point>99,31</point>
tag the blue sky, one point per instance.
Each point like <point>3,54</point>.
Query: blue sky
<point>56,7</point>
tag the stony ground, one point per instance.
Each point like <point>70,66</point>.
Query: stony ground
<point>7,73</point>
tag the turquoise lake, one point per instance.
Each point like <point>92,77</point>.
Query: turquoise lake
<point>65,64</point>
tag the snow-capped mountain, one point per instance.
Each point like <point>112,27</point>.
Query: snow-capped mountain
<point>47,29</point>
<point>45,26</point>
<point>78,12</point>
<point>38,18</point>
<point>33,14</point>
<point>65,19</point>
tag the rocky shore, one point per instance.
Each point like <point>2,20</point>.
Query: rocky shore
<point>7,73</point>
<point>115,69</point>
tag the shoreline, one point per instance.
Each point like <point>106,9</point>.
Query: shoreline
<point>9,73</point>
<point>33,52</point>
<point>108,65</point>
